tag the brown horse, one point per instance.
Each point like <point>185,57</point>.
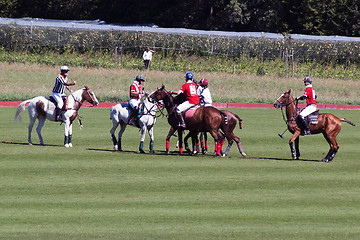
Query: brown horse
<point>228,130</point>
<point>228,126</point>
<point>328,124</point>
<point>205,119</point>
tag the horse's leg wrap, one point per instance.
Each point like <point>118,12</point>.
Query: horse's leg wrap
<point>114,139</point>
<point>141,147</point>
<point>119,144</point>
<point>69,139</point>
<point>151,148</point>
<point>218,148</point>
<point>167,144</point>
<point>332,155</point>
<point>66,140</point>
<point>292,150</point>
<point>241,150</point>
<point>228,149</point>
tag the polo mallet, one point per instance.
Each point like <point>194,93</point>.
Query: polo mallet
<point>281,135</point>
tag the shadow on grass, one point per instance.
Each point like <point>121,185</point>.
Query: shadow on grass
<point>157,153</point>
<point>288,159</point>
<point>27,144</point>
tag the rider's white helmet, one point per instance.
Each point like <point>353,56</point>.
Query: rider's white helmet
<point>64,68</point>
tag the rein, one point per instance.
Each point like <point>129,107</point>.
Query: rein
<point>292,118</point>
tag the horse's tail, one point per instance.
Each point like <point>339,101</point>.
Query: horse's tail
<point>240,120</point>
<point>347,121</point>
<point>225,118</point>
<point>20,109</point>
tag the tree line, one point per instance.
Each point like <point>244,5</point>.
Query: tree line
<point>313,17</point>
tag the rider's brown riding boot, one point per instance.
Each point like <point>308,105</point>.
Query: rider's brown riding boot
<point>58,114</point>
<point>132,118</point>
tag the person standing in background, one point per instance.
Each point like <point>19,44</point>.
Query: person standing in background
<point>147,56</point>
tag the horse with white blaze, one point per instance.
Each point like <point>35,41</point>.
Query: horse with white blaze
<point>42,108</point>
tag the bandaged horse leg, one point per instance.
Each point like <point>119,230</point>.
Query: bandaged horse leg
<point>292,149</point>
<point>115,142</point>
<point>195,143</point>
<point>171,132</point>
<point>141,147</point>
<point>151,147</point>
<point>142,138</point>
<point>151,135</point>
<point>241,150</point>
<point>228,147</point>
<point>167,145</point>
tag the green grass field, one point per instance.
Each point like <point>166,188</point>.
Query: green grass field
<point>91,192</point>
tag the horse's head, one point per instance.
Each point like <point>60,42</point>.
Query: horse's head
<point>284,99</point>
<point>159,94</point>
<point>89,95</point>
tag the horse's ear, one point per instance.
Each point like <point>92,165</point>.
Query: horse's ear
<point>163,87</point>
<point>86,87</point>
<point>288,91</point>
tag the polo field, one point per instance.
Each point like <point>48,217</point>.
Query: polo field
<point>92,192</point>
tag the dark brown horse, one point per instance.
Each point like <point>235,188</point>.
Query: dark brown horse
<point>328,124</point>
<point>205,119</point>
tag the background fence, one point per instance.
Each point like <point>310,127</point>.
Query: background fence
<point>18,34</point>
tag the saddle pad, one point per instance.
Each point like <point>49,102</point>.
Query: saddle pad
<point>313,118</point>
<point>189,113</point>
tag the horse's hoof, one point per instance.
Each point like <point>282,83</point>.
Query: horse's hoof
<point>116,148</point>
<point>152,151</point>
<point>243,154</point>
<point>215,156</point>
<point>120,150</point>
<point>141,151</point>
<point>42,144</point>
<point>325,160</point>
<point>204,151</point>
<point>70,145</point>
<point>66,145</point>
<point>167,152</point>
<point>30,143</point>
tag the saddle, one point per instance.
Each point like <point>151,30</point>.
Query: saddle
<point>190,112</point>
<point>313,118</point>
<point>52,99</point>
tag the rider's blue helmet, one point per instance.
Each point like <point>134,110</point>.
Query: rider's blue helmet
<point>189,75</point>
<point>308,80</point>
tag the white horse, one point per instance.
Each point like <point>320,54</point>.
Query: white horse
<point>42,108</point>
<point>120,114</point>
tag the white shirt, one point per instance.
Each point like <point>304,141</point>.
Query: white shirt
<point>147,55</point>
<point>205,100</point>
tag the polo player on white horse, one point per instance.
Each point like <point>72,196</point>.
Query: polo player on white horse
<point>58,91</point>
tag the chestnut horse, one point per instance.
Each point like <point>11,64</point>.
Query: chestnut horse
<point>228,126</point>
<point>328,124</point>
<point>205,119</point>
<point>42,108</point>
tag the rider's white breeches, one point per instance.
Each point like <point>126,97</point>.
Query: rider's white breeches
<point>134,103</point>
<point>183,107</point>
<point>58,99</point>
<point>308,110</point>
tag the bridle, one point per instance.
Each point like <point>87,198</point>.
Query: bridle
<point>282,105</point>
<point>160,106</point>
